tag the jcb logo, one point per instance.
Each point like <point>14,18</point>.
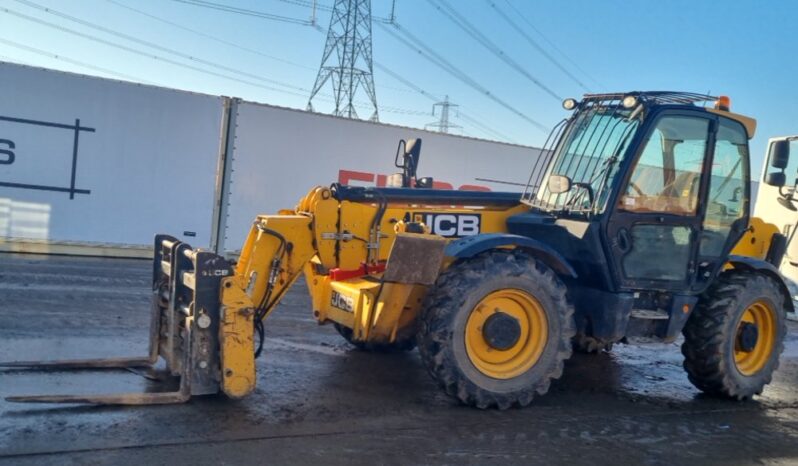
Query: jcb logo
<point>346,303</point>
<point>450,225</point>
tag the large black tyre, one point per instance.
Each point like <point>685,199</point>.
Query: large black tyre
<point>718,360</point>
<point>402,342</point>
<point>459,293</point>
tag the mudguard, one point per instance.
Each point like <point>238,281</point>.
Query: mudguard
<point>473,245</point>
<point>762,266</point>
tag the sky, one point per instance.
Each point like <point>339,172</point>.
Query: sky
<point>742,49</point>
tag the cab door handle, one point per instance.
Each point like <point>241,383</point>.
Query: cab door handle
<point>623,241</point>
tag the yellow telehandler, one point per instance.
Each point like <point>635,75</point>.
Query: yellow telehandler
<point>634,223</point>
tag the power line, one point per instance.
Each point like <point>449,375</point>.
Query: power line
<point>244,11</point>
<point>183,55</point>
<point>323,7</point>
<point>144,54</point>
<point>14,60</point>
<point>409,84</point>
<point>387,109</point>
<point>144,43</point>
<point>453,15</point>
<point>308,4</point>
<point>552,44</point>
<point>404,81</point>
<point>534,44</point>
<point>435,58</point>
<point>209,36</point>
<point>226,42</point>
<point>485,128</point>
<point>319,6</point>
<point>70,60</point>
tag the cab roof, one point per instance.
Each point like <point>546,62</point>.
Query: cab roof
<point>672,98</point>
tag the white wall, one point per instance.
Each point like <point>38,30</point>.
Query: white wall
<point>147,161</point>
<point>281,153</point>
<point>148,166</point>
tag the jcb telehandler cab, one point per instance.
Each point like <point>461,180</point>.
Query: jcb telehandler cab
<point>635,223</point>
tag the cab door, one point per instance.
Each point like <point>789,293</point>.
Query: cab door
<point>683,204</point>
<point>726,205</point>
<point>654,226</point>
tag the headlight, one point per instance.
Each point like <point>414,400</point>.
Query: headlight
<point>629,101</point>
<point>569,104</point>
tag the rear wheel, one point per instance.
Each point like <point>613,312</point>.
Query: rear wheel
<point>402,342</point>
<point>496,329</point>
<point>733,339</point>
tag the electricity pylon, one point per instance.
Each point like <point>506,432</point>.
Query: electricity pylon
<point>346,61</point>
<point>443,125</point>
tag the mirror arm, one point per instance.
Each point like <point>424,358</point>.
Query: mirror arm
<point>787,195</point>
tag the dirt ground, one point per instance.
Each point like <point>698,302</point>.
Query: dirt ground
<point>319,401</point>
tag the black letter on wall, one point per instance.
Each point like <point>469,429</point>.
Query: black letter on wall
<point>8,153</point>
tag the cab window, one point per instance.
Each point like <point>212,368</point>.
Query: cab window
<point>666,177</point>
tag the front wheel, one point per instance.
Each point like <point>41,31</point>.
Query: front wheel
<point>496,329</point>
<point>733,339</point>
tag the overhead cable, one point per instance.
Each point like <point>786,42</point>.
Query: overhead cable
<point>534,44</point>
<point>425,51</point>
<point>454,16</point>
<point>134,39</point>
<point>207,36</point>
<point>244,11</point>
<point>72,61</point>
<point>552,44</point>
<point>142,53</point>
<point>473,121</point>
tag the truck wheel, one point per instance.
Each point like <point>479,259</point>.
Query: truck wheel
<point>734,337</point>
<point>496,329</point>
<point>589,345</point>
<point>402,343</point>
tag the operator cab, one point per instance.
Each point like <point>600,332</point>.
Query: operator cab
<point>642,191</point>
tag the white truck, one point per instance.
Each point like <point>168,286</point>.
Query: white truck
<point>777,200</point>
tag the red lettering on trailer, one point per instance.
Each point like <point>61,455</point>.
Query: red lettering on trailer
<point>348,176</point>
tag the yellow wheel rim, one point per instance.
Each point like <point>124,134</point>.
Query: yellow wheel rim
<point>763,316</point>
<point>525,352</point>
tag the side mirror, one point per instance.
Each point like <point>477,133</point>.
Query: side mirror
<point>407,156</point>
<point>559,184</point>
<point>777,179</point>
<point>400,154</point>
<point>780,154</point>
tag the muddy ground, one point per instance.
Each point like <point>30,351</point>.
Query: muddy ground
<point>319,401</point>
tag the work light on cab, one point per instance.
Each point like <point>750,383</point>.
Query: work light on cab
<point>629,101</point>
<point>569,104</point>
